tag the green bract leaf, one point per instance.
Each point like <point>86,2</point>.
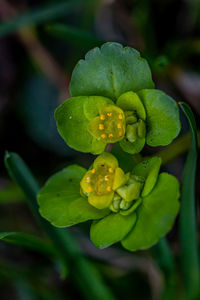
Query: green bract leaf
<point>72,125</point>
<point>148,169</point>
<point>132,148</point>
<point>163,123</point>
<point>60,200</point>
<point>110,71</point>
<point>156,214</point>
<point>111,229</point>
<point>131,102</point>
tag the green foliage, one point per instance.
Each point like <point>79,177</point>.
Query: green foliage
<point>111,229</point>
<point>110,71</point>
<point>90,120</point>
<point>41,15</point>
<point>188,220</point>
<point>149,169</point>
<point>28,241</point>
<point>60,197</point>
<point>83,273</point>
<point>156,214</point>
<point>72,118</point>
<point>162,117</point>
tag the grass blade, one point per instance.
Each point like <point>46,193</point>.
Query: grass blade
<point>28,241</point>
<point>73,35</point>
<point>165,260</point>
<point>188,221</point>
<point>81,270</point>
<point>38,16</point>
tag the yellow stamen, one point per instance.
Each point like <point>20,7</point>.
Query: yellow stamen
<point>101,127</point>
<point>106,178</point>
<point>121,133</point>
<point>119,125</point>
<point>103,136</point>
<point>93,171</point>
<point>108,188</point>
<point>109,114</point>
<point>102,117</point>
<point>110,135</point>
<point>90,189</point>
<point>88,179</point>
<point>120,116</point>
<point>110,170</point>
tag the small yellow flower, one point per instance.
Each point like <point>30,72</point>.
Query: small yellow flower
<point>104,181</point>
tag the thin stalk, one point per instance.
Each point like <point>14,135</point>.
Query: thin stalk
<point>188,220</point>
<point>165,260</point>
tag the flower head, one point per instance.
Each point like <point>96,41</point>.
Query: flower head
<point>136,208</point>
<point>114,100</point>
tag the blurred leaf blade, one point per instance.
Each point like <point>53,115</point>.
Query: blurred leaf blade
<point>73,35</point>
<point>188,220</point>
<point>10,193</point>
<point>82,271</point>
<point>28,241</point>
<point>165,260</point>
<point>38,16</point>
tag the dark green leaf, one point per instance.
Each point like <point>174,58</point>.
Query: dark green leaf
<point>188,219</point>
<point>110,71</point>
<point>28,241</point>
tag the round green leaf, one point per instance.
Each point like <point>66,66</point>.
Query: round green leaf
<point>72,126</point>
<point>110,71</point>
<point>148,169</point>
<point>60,201</point>
<point>156,214</point>
<point>111,229</point>
<point>163,123</point>
<point>132,148</point>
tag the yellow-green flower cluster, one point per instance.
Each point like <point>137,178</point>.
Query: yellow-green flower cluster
<point>106,185</point>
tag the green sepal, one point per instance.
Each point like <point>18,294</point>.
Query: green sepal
<point>60,201</point>
<point>132,148</point>
<point>72,126</point>
<point>131,102</point>
<point>163,123</point>
<point>110,71</point>
<point>149,169</point>
<point>156,214</point>
<point>132,208</point>
<point>107,159</point>
<point>111,229</point>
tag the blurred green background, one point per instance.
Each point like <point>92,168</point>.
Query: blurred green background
<point>40,42</point>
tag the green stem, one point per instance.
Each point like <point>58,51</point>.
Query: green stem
<point>165,260</point>
<point>188,221</point>
<point>176,148</point>
<point>82,271</point>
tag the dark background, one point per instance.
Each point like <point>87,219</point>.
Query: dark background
<point>36,61</point>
